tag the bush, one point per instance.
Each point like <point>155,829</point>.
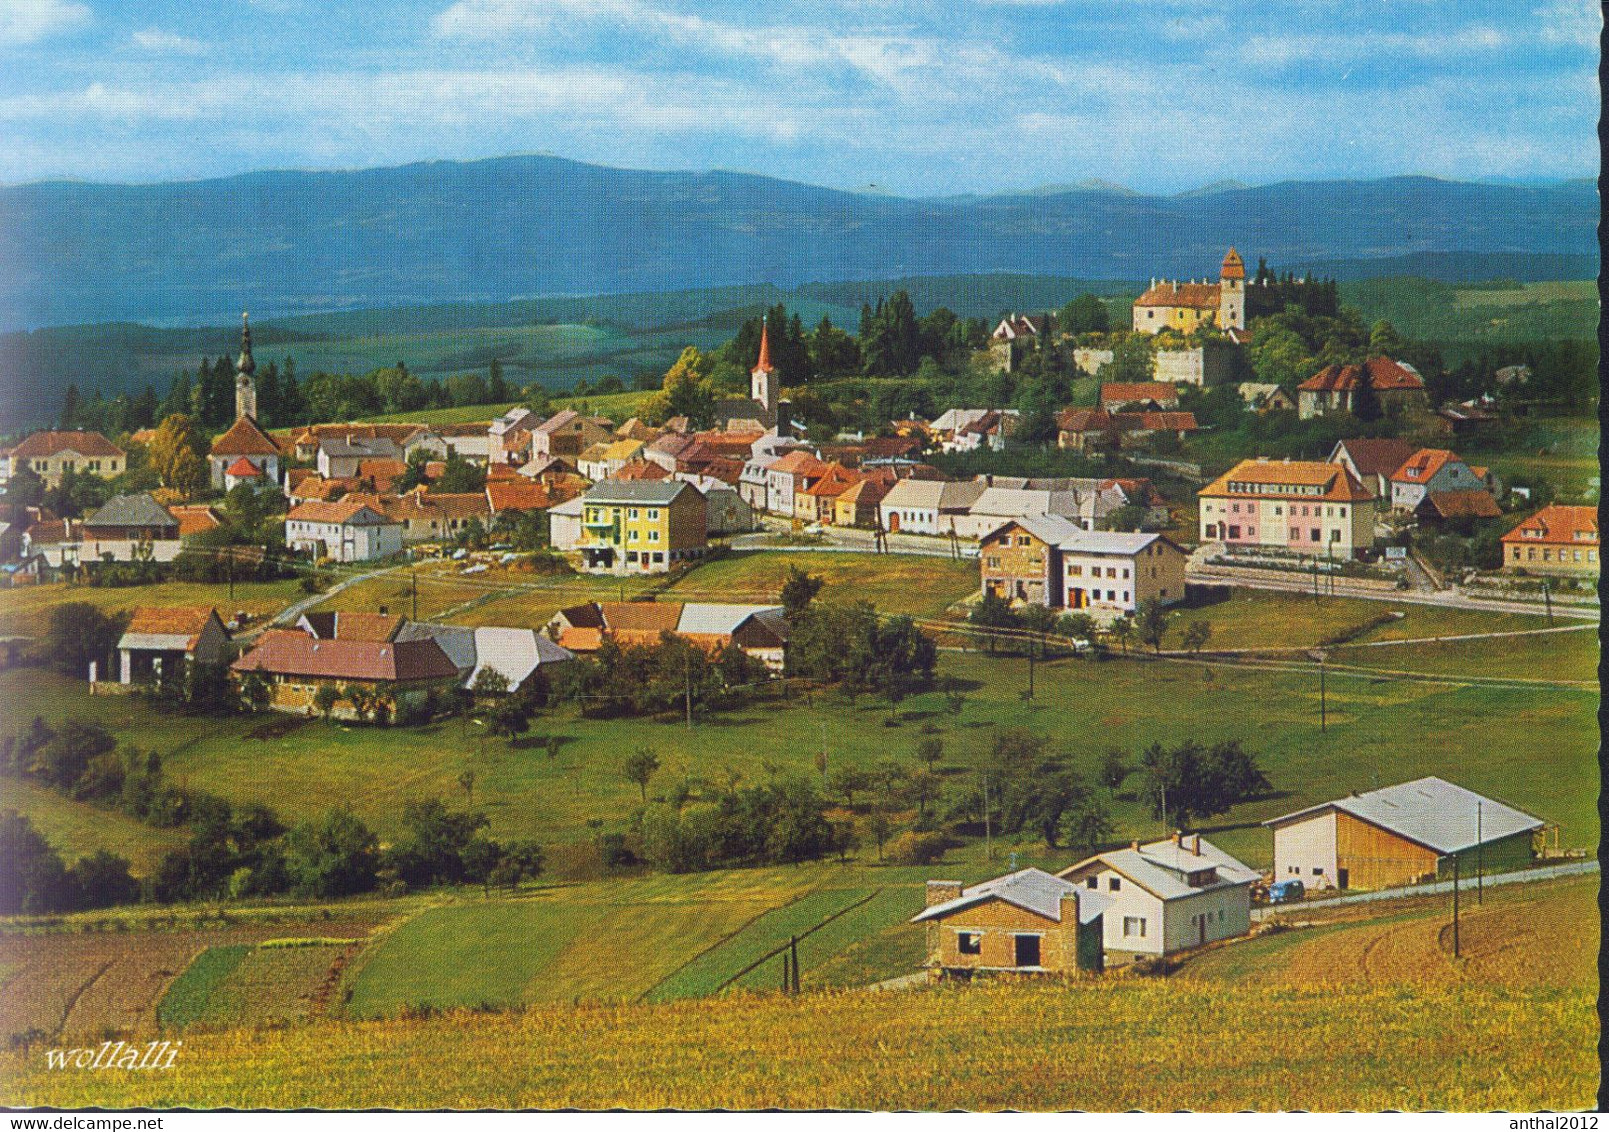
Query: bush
<point>912,848</point>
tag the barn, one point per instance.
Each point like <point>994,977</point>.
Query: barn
<point>1401,834</point>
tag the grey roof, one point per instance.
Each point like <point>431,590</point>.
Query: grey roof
<point>1108,542</point>
<point>515,653</point>
<point>155,642</point>
<point>358,446</point>
<point>1032,889</point>
<point>457,641</point>
<point>1050,529</point>
<point>1430,811</point>
<point>1161,867</point>
<point>936,494</point>
<point>648,492</point>
<point>707,617</point>
<point>138,510</point>
<point>568,507</point>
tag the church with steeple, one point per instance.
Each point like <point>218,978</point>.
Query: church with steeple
<point>763,406</point>
<point>244,454</point>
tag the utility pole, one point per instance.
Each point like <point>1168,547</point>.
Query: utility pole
<point>1480,857</point>
<point>229,557</point>
<point>1315,579</point>
<point>1030,671</point>
<point>687,671</point>
<point>793,949</point>
<point>988,838</point>
<point>1455,906</point>
<point>1547,599</point>
<point>413,578</point>
<point>1319,655</point>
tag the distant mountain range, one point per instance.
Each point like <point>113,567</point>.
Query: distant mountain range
<point>286,243</point>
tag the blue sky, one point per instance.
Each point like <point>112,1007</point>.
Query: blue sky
<point>914,96</point>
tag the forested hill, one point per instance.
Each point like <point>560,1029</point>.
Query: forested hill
<point>284,243</point>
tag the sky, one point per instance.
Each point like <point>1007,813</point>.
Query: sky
<point>914,97</point>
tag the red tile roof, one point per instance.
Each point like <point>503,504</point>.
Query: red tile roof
<point>1378,456</point>
<point>642,470</point>
<point>1468,503</point>
<point>40,445</point>
<point>1117,393</point>
<point>242,468</point>
<point>194,518</point>
<point>297,654</point>
<point>1557,523</point>
<point>1282,478</point>
<point>1423,465</point>
<point>186,621</point>
<point>340,511</point>
<point>1199,296</point>
<point>1384,375</point>
<point>244,438</point>
<point>517,494</point>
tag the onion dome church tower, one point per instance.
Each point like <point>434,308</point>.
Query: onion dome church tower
<point>245,367</point>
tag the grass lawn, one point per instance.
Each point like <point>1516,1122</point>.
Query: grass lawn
<point>1275,619</point>
<point>77,829</point>
<point>26,610</point>
<point>894,583</point>
<point>1542,656</point>
<point>1378,727</point>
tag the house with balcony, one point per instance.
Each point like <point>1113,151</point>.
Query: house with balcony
<point>641,526</point>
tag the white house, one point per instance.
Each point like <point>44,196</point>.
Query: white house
<point>929,507</point>
<point>564,524</point>
<point>348,530</point>
<point>1168,896</point>
<point>1431,470</point>
<point>339,456</point>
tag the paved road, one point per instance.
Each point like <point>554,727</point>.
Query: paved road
<point>1447,599</point>
<point>1526,876</point>
<point>290,613</point>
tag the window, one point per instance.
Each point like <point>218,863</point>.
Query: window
<point>1314,534</point>
<point>1114,884</point>
<point>1125,572</point>
<point>653,512</point>
<point>1134,927</point>
<point>1027,950</point>
<point>969,943</point>
<point>653,536</point>
<point>1075,571</point>
<point>1296,535</point>
<point>1093,882</point>
<point>1318,872</point>
<point>633,512</point>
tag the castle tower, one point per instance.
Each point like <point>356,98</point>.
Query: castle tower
<point>763,379</point>
<point>1232,292</point>
<point>245,366</point>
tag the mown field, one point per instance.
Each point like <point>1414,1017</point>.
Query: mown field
<point>1379,728</point>
<point>1141,1044</point>
<point>25,611</point>
<point>1502,942</point>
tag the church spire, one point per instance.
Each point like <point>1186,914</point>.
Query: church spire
<point>245,366</point>
<point>765,346</point>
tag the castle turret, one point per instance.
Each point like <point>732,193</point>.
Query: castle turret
<point>1232,292</point>
<point>245,366</point>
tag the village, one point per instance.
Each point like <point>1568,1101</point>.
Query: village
<point>661,571</point>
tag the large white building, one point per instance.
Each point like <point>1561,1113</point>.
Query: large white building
<point>1168,896</point>
<point>347,531</point>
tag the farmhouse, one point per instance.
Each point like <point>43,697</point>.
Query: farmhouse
<point>296,665</point>
<point>1400,835</point>
<point>505,435</point>
<point>128,528</point>
<point>603,460</point>
<point>52,455</point>
<point>1052,562</point>
<point>349,530</point>
<point>567,433</point>
<point>1295,505</point>
<point>163,642</point>
<point>514,654</point>
<point>1167,896</point>
<point>1266,397</point>
<point>1026,921</point>
<point>641,526</point>
<point>1337,388</point>
<point>787,479</point>
<point>759,630</point>
<point>1556,540</point>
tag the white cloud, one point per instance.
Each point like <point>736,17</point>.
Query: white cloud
<point>155,39</point>
<point>29,21</point>
<point>1574,22</point>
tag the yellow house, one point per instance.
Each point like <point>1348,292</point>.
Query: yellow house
<point>51,455</point>
<point>641,526</point>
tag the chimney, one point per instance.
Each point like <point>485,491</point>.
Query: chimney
<point>1135,844</point>
<point>1069,907</point>
<point>1195,844</point>
<point>939,891</point>
<point>1178,837</point>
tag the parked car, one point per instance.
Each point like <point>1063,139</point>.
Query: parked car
<point>1286,892</point>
